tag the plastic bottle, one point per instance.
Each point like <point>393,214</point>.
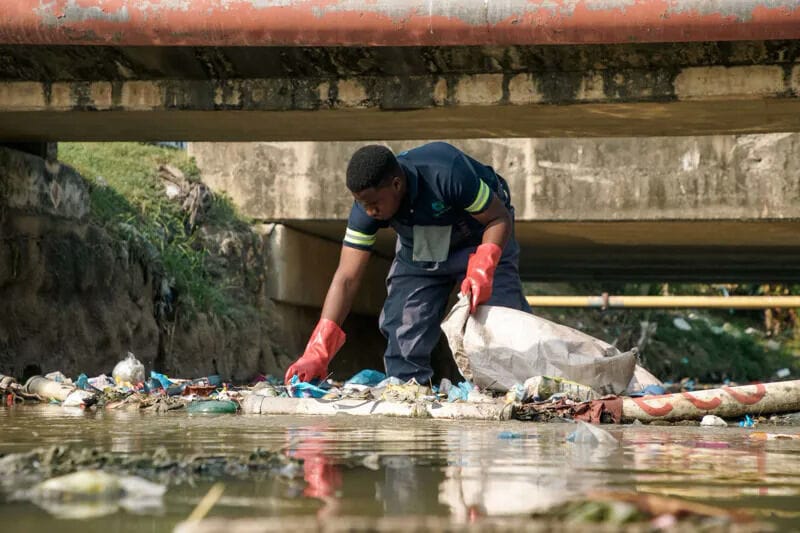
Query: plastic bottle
<point>47,388</point>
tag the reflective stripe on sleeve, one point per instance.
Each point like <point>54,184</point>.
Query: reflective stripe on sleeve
<point>481,200</point>
<point>359,239</point>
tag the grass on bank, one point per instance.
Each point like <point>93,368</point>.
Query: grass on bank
<point>129,201</point>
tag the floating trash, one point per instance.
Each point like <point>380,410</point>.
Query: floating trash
<point>713,420</point>
<point>589,434</point>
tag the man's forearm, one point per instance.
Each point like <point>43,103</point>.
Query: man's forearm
<point>498,232</point>
<point>339,299</point>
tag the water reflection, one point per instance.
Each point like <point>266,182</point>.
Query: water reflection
<point>460,471</point>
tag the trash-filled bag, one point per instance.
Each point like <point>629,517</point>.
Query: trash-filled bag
<point>129,370</point>
<point>497,347</point>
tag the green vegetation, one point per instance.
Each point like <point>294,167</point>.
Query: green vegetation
<point>129,201</point>
<point>709,346</point>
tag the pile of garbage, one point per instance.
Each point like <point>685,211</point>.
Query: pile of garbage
<point>513,364</point>
<point>128,386</point>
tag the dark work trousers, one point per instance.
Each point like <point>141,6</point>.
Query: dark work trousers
<point>417,299</point>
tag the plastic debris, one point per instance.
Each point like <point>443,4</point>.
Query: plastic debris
<point>301,389</point>
<point>591,435</point>
<point>391,380</point>
<point>650,390</point>
<point>512,435</point>
<point>515,393</point>
<point>747,422</point>
<point>92,493</point>
<point>713,420</point>
<point>460,392</point>
<point>681,324</point>
<point>102,382</point>
<point>540,388</point>
<point>366,377</point>
<point>407,392</point>
<point>165,382</point>
<point>58,377</point>
<point>47,389</point>
<point>476,396</point>
<point>213,407</point>
<point>783,373</point>
<point>531,346</point>
<point>129,370</point>
<point>79,398</point>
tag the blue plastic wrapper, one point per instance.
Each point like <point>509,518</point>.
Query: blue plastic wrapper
<point>82,382</point>
<point>152,384</point>
<point>512,435</point>
<point>166,383</point>
<point>747,422</point>
<point>176,390</point>
<point>301,389</point>
<point>459,392</point>
<point>650,390</point>
<point>366,377</point>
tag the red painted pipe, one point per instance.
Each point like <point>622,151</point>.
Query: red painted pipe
<point>392,22</point>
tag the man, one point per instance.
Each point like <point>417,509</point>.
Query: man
<point>454,223</point>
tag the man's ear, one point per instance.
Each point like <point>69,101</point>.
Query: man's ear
<point>397,183</point>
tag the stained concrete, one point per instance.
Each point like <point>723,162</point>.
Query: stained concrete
<point>702,208</point>
<point>301,93</point>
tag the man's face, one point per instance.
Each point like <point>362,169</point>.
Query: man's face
<point>382,202</point>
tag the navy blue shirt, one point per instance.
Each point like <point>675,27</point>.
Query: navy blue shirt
<point>445,188</point>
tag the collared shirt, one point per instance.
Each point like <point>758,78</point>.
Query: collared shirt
<point>445,187</point>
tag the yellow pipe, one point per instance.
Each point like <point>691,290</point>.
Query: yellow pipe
<point>693,302</point>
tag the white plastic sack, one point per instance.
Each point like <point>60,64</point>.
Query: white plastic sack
<point>129,370</point>
<point>498,347</point>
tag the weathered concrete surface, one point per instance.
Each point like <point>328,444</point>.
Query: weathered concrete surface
<point>725,207</point>
<point>678,178</point>
<point>252,93</point>
<point>32,186</point>
<point>393,22</point>
<point>301,267</point>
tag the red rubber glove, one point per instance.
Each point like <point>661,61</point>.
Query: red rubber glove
<point>325,341</point>
<point>480,274</point>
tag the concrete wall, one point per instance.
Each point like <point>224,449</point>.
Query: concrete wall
<point>710,209</point>
<point>625,179</point>
<point>301,266</point>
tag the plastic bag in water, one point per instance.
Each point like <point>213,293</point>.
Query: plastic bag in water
<point>129,370</point>
<point>591,435</point>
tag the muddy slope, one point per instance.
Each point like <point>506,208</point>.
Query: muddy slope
<point>72,298</point>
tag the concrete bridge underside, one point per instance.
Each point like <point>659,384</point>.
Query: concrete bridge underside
<point>71,92</point>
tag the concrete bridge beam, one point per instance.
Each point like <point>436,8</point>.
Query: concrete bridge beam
<point>275,93</point>
<point>393,22</point>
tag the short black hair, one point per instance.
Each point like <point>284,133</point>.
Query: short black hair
<point>369,166</point>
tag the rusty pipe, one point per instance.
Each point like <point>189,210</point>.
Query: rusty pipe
<point>392,22</point>
<point>689,302</point>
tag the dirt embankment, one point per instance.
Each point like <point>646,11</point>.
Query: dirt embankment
<point>75,297</point>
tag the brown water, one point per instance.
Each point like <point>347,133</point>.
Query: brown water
<point>455,470</point>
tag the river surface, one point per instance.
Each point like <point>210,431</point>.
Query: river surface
<point>455,471</point>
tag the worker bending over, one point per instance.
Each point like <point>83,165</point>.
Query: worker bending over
<point>454,224</point>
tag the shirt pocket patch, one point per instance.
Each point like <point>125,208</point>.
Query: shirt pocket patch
<point>431,243</point>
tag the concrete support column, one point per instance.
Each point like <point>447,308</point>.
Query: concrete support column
<point>300,269</point>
